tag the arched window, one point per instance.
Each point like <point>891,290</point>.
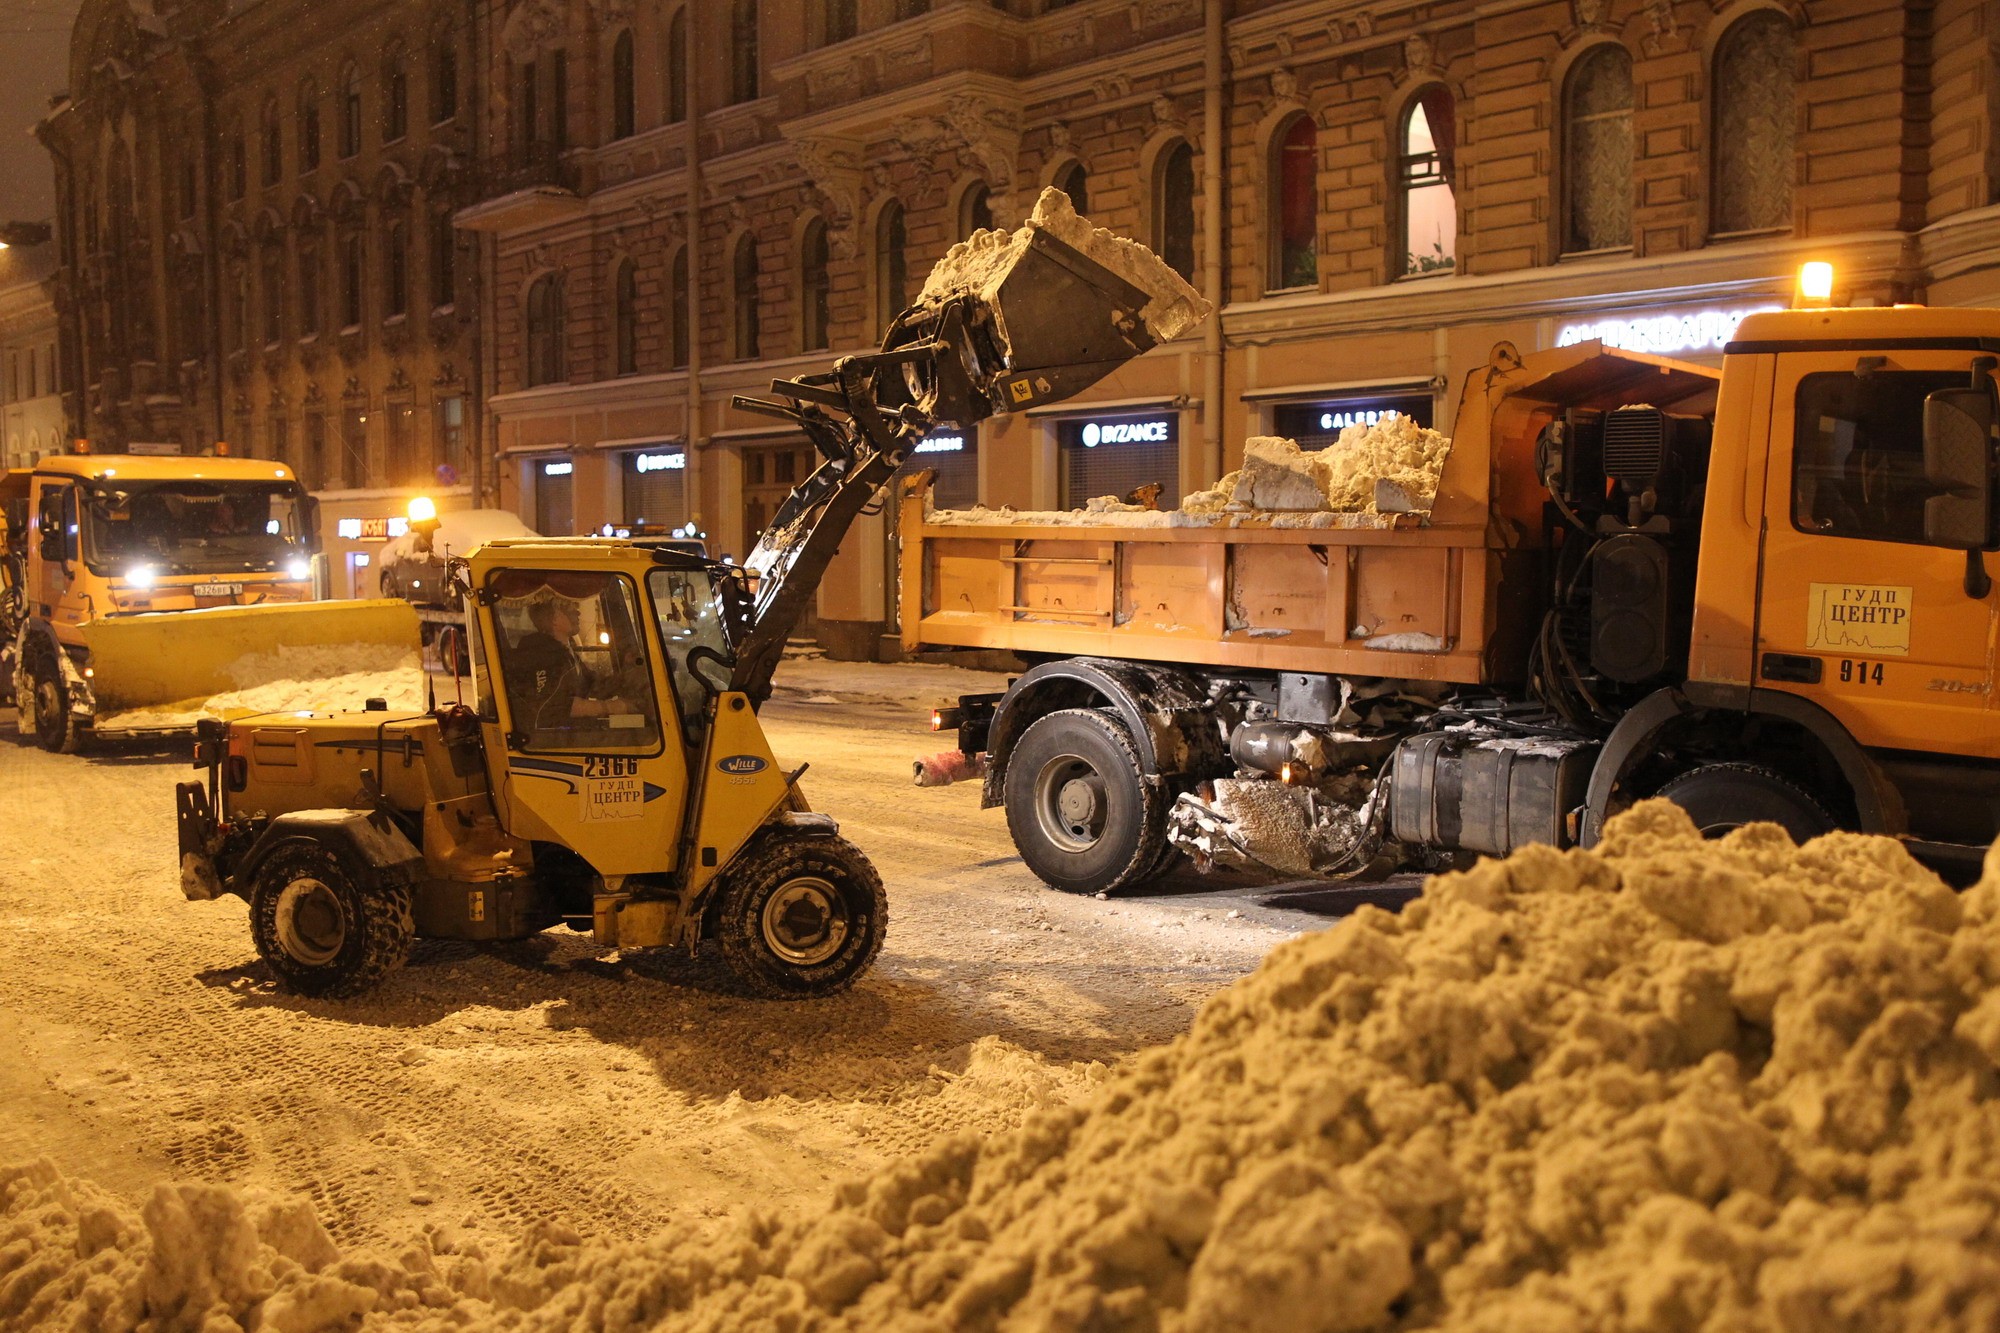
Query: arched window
<point>975,210</point>
<point>625,318</point>
<point>527,105</point>
<point>677,57</point>
<point>1173,208</point>
<point>309,127</point>
<point>444,262</point>
<point>1427,175</point>
<point>1754,120</point>
<point>814,288</point>
<point>624,89</point>
<point>545,331</point>
<point>743,51</point>
<point>677,304</point>
<point>239,306</point>
<point>239,163</point>
<point>353,270</point>
<point>1597,151</point>
<point>309,280</point>
<point>559,99</point>
<point>395,98</point>
<point>350,111</point>
<point>749,333</point>
<point>272,275</point>
<point>892,264</point>
<point>396,270</point>
<point>837,21</point>
<point>444,77</point>
<point>1295,205</point>
<point>1074,181</point>
<point>273,144</point>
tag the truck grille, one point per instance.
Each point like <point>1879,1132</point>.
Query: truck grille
<point>1635,441</point>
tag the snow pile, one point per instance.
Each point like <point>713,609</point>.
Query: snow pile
<point>316,678</point>
<point>459,530</point>
<point>978,265</point>
<point>1667,1084</point>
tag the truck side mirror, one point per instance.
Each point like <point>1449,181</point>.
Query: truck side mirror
<point>1958,458</point>
<point>309,523</point>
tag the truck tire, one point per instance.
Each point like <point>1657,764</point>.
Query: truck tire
<point>323,931</point>
<point>1080,811</point>
<point>1721,798</point>
<point>55,730</point>
<point>800,917</point>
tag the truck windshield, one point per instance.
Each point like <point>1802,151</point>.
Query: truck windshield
<point>195,527</point>
<point>698,650</point>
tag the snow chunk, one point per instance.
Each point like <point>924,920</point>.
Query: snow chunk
<point>317,678</point>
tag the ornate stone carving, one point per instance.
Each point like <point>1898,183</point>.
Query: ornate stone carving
<point>1665,34</point>
<point>1167,113</point>
<point>1112,87</point>
<point>1059,138</point>
<point>1284,87</point>
<point>1588,13</point>
<point>833,166</point>
<point>1362,24</point>
<point>1159,13</point>
<point>1418,53</point>
<point>612,12</point>
<point>532,26</point>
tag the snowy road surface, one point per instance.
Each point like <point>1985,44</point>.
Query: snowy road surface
<point>479,1090</point>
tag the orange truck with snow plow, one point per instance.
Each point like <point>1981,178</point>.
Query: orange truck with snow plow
<point>1761,592</point>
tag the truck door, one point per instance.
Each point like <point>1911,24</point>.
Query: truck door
<point>57,547</point>
<point>592,760</point>
<point>1856,612</point>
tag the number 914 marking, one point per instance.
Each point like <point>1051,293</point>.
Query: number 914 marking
<point>1856,672</point>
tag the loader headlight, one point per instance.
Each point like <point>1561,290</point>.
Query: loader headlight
<point>298,568</point>
<point>141,576</point>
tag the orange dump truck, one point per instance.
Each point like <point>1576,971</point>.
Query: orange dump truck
<point>1761,592</point>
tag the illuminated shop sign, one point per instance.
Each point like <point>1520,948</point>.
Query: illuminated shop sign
<point>1158,430</point>
<point>941,444</point>
<point>1316,424</point>
<point>371,529</point>
<point>557,469</point>
<point>1696,331</point>
<point>675,462</point>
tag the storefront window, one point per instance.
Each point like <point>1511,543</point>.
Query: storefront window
<point>655,487</point>
<point>554,513</point>
<point>954,455</point>
<point>1315,425</point>
<point>1120,456</point>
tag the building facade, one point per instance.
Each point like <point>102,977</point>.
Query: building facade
<point>256,248</point>
<point>1379,198</point>
<point>31,408</point>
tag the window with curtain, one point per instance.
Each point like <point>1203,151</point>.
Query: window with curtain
<point>395,270</point>
<point>749,333</point>
<point>624,88</point>
<point>814,288</point>
<point>444,78</point>
<point>1754,119</point>
<point>350,111</point>
<point>559,100</point>
<point>309,280</point>
<point>677,303</point>
<point>545,331</point>
<point>975,210</point>
<point>1597,151</point>
<point>395,98</point>
<point>273,145</point>
<point>309,128</point>
<point>1427,174</point>
<point>1294,205</point>
<point>444,262</point>
<point>353,272</point>
<point>677,54</point>
<point>1074,181</point>
<point>1173,208</point>
<point>892,263</point>
<point>625,318</point>
<point>743,51</point>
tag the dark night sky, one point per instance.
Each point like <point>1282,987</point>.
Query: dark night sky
<point>34,62</point>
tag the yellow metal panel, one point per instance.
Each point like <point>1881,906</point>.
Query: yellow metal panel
<point>739,786</point>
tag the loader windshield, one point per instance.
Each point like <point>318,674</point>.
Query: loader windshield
<point>698,652</point>
<point>194,527</point>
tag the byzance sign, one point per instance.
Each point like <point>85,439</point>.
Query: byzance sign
<point>1871,618</point>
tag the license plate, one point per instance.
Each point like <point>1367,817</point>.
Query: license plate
<point>217,589</point>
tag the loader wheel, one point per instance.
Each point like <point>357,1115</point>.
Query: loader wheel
<point>800,917</point>
<point>1722,798</point>
<point>1080,813</point>
<point>55,730</point>
<point>323,932</point>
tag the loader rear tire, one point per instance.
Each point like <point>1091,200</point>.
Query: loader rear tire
<point>55,730</point>
<point>324,929</point>
<point>800,917</point>
<point>1080,812</point>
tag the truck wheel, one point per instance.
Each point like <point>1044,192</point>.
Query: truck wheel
<point>55,730</point>
<point>321,931</point>
<point>1721,798</point>
<point>800,917</point>
<point>1081,814</point>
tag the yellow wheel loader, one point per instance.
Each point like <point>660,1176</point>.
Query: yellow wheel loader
<point>611,773</point>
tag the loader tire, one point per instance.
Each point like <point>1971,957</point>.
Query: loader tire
<point>1722,798</point>
<point>800,917</point>
<point>1080,811</point>
<point>55,730</point>
<point>322,928</point>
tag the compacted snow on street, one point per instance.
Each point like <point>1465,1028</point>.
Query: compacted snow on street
<point>479,1090</point>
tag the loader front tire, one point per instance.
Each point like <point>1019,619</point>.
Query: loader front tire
<point>321,928</point>
<point>55,730</point>
<point>800,917</point>
<point>1079,809</point>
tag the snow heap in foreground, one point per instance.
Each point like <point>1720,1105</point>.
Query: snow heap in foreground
<point>1363,479</point>
<point>320,678</point>
<point>1666,1084</point>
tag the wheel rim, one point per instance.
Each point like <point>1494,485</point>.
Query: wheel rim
<point>1071,803</point>
<point>805,921</point>
<point>311,923</point>
<point>48,705</point>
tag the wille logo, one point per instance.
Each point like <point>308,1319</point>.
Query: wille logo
<point>740,764</point>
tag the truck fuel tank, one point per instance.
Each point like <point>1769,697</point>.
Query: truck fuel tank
<point>1491,794</point>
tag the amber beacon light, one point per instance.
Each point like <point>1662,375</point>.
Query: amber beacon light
<point>1816,283</point>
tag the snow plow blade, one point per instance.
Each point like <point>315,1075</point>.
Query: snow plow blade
<point>185,657</point>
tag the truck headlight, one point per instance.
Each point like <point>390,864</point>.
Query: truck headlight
<point>141,576</point>
<point>299,568</point>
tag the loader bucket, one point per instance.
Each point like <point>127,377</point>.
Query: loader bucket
<point>182,658</point>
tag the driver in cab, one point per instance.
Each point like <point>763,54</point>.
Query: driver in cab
<point>547,679</point>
